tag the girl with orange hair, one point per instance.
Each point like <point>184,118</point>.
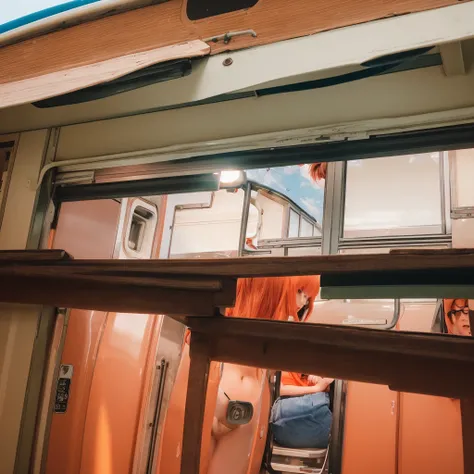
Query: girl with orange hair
<point>301,417</point>
<point>279,298</point>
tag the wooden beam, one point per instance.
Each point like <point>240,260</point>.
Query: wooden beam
<point>177,298</point>
<point>160,286</point>
<point>409,362</point>
<point>432,266</point>
<point>199,352</point>
<point>273,20</point>
<point>19,256</point>
<point>41,87</point>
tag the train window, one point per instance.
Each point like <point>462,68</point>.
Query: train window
<point>306,228</point>
<point>200,9</point>
<point>462,166</point>
<point>393,196</point>
<point>293,224</point>
<point>291,204</point>
<point>141,229</point>
<point>375,314</point>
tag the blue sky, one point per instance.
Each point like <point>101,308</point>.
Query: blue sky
<point>295,183</point>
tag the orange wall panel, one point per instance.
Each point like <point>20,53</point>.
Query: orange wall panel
<point>370,430</point>
<point>85,229</point>
<point>116,394</point>
<point>430,435</point>
<point>67,429</point>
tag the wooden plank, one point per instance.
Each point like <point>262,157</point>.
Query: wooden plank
<point>273,20</point>
<point>199,351</point>
<point>396,291</point>
<point>56,83</point>
<point>110,294</point>
<point>410,362</point>
<point>15,256</point>
<point>329,265</point>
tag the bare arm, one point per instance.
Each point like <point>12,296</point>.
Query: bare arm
<point>295,391</point>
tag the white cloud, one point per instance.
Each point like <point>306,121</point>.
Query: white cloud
<point>311,205</point>
<point>290,169</point>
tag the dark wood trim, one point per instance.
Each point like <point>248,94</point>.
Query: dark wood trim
<point>30,256</point>
<point>199,351</point>
<point>118,295</point>
<point>333,265</point>
<point>409,362</point>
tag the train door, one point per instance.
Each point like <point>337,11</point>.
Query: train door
<point>113,365</point>
<point>430,431</point>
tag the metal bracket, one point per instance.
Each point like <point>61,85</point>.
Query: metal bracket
<point>227,37</point>
<point>466,212</point>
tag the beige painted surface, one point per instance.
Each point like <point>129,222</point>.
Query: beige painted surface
<point>17,322</point>
<point>390,96</point>
<point>53,84</point>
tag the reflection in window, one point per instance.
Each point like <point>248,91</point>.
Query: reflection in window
<point>393,196</point>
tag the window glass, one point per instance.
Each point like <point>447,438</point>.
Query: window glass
<point>306,228</point>
<point>393,196</point>
<point>294,224</point>
<point>462,168</point>
<point>376,314</point>
<point>290,204</point>
<point>293,183</point>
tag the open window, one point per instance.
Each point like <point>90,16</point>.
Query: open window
<point>200,9</point>
<point>140,234</point>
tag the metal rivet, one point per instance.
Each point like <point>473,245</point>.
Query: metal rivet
<point>227,62</point>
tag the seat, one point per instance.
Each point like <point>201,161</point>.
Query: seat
<point>289,460</point>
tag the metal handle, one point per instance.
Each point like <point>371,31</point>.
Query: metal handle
<point>163,368</point>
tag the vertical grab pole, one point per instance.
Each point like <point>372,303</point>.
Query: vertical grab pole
<point>245,218</point>
<point>199,351</point>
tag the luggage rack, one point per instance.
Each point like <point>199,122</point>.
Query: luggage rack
<point>409,362</point>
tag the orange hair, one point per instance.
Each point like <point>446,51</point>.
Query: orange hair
<point>310,285</point>
<point>272,297</point>
<point>318,171</point>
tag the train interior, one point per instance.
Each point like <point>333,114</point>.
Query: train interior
<point>127,374</point>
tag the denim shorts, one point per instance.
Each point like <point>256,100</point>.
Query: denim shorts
<point>302,422</point>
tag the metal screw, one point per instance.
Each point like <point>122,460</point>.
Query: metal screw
<point>227,62</point>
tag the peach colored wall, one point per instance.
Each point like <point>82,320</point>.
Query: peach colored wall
<point>369,430</point>
<point>85,229</point>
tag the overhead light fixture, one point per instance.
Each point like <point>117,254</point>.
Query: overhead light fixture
<point>232,178</point>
